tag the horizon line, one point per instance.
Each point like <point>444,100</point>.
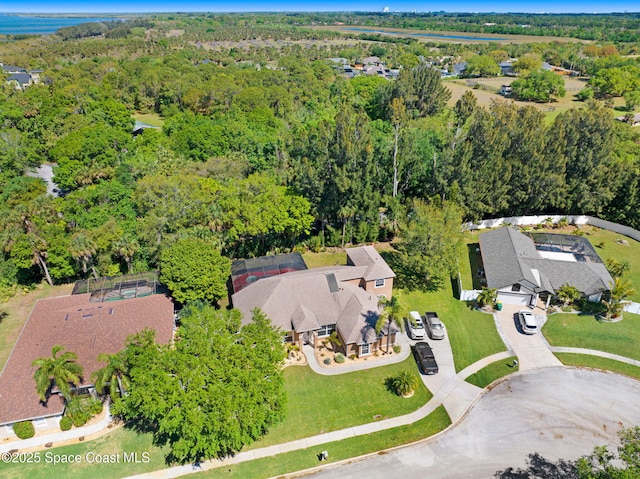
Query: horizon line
<point>626,12</point>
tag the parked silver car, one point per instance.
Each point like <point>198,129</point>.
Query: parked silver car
<point>527,322</point>
<point>434,325</point>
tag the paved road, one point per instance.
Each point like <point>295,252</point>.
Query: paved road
<point>556,412</point>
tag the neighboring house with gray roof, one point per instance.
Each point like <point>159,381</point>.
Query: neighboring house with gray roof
<point>19,77</point>
<point>309,305</point>
<point>525,268</point>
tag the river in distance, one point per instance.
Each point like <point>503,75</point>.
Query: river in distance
<point>41,25</point>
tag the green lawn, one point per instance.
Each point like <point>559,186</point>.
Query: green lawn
<point>327,258</point>
<point>319,404</point>
<point>152,119</point>
<point>584,331</point>
<point>472,334</point>
<point>117,442</point>
<point>493,371</point>
<point>293,461</point>
<point>469,261</point>
<point>588,361</point>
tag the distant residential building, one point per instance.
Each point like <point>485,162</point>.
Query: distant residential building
<point>19,77</point>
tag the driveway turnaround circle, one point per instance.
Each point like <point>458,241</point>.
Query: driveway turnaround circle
<point>558,413</point>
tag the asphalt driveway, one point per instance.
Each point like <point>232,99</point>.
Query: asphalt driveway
<point>560,413</point>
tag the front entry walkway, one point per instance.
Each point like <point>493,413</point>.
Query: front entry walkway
<point>532,349</point>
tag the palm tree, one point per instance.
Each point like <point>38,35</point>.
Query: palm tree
<point>393,310</point>
<point>568,293</point>
<point>487,296</point>
<point>334,340</point>
<point>620,290</point>
<point>404,383</point>
<point>82,249</point>
<point>114,375</point>
<point>63,371</point>
<point>618,268</point>
<point>126,248</point>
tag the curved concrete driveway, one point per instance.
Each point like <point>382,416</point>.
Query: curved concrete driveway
<point>560,413</point>
<point>532,349</point>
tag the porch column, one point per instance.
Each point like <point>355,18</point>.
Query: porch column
<point>546,307</point>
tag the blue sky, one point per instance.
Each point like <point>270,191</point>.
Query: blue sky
<point>103,6</point>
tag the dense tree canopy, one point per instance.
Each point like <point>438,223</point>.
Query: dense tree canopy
<point>218,388</point>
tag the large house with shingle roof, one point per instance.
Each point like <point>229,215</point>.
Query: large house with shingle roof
<point>81,326</point>
<point>524,268</point>
<point>310,304</point>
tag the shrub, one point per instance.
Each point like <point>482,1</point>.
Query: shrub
<point>339,358</point>
<point>65,423</point>
<point>353,357</point>
<point>315,243</point>
<point>24,429</point>
<point>397,348</point>
<point>327,361</point>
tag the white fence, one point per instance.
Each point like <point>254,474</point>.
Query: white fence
<point>470,295</point>
<point>572,219</point>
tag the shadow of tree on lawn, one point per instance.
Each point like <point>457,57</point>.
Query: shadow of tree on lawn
<point>539,467</point>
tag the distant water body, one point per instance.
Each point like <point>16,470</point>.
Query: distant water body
<point>18,24</point>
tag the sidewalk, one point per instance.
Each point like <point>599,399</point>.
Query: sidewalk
<point>454,393</point>
<point>61,437</point>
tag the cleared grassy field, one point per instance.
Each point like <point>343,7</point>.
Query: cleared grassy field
<point>493,371</point>
<point>150,118</point>
<point>584,331</point>
<point>457,37</point>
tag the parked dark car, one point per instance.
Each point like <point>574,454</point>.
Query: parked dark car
<point>425,358</point>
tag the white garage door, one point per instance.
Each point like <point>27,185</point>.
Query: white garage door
<point>515,298</point>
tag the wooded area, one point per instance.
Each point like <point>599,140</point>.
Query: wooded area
<point>265,146</point>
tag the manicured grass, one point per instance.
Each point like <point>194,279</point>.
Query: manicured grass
<point>152,119</point>
<point>472,334</point>
<point>469,261</point>
<point>588,361</point>
<point>326,258</point>
<point>584,331</point>
<point>117,442</point>
<point>319,404</point>
<point>17,311</point>
<point>493,371</point>
<point>293,461</point>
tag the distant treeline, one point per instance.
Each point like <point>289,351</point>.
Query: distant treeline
<point>113,29</point>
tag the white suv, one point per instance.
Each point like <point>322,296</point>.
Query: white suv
<point>415,325</point>
<point>527,322</point>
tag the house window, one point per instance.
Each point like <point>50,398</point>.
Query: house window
<point>325,331</point>
<point>380,283</point>
<point>365,349</point>
<point>515,288</point>
<point>288,338</point>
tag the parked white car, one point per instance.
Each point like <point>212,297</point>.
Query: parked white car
<point>415,325</point>
<point>527,322</point>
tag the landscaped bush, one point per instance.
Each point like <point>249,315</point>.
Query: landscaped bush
<point>397,348</point>
<point>65,423</point>
<point>327,361</point>
<point>339,358</point>
<point>24,429</point>
<point>353,357</point>
<point>81,409</point>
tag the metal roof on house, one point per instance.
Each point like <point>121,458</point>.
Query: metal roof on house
<point>511,257</point>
